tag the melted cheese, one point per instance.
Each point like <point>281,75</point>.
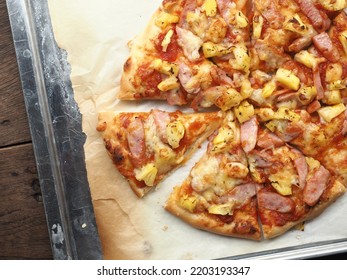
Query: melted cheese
<point>190,43</point>
<point>164,157</point>
<point>207,174</point>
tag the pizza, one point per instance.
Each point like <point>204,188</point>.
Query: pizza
<point>265,85</point>
<point>147,146</point>
<point>219,194</point>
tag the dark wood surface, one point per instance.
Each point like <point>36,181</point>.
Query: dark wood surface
<point>23,228</point>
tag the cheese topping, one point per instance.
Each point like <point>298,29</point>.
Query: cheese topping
<point>207,174</point>
<point>190,43</point>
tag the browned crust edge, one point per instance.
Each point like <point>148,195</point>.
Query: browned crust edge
<point>201,221</point>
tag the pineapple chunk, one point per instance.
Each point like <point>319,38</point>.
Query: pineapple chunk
<point>334,72</point>
<point>255,174</point>
<point>258,22</point>
<point>164,19</point>
<point>241,20</point>
<point>268,89</point>
<point>211,49</point>
<point>265,114</point>
<point>343,40</point>
<point>147,174</point>
<point>339,84</point>
<point>246,88</point>
<point>175,131</point>
<point>223,138</point>
<point>165,67</point>
<point>217,30</point>
<point>229,98</point>
<point>169,83</point>
<point>330,112</point>
<point>332,97</point>
<point>209,7</point>
<point>290,104</point>
<point>287,78</point>
<point>236,170</point>
<point>307,94</point>
<point>333,5</point>
<point>283,180</point>
<point>220,209</point>
<point>244,112</point>
<point>308,59</point>
<point>242,59</point>
<point>286,114</point>
<point>188,202</point>
<point>282,188</point>
<point>167,39</point>
<point>313,166</point>
<point>296,25</point>
<point>273,125</point>
<point>312,163</point>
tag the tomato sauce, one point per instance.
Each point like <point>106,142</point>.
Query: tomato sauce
<point>149,80</point>
<point>172,49</point>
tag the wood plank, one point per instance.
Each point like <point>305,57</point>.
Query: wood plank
<point>23,228</point>
<point>14,126</point>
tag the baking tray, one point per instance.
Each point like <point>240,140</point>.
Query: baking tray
<point>55,123</point>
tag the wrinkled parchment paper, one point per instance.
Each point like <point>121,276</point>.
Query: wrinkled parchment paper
<point>95,34</point>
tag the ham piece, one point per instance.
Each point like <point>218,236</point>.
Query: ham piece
<point>274,201</point>
<point>315,186</point>
<point>249,132</point>
<point>302,169</point>
<point>319,19</point>
<point>136,139</point>
<point>324,44</point>
<point>161,120</point>
<point>240,195</point>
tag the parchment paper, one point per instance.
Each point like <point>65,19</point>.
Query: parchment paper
<point>95,34</point>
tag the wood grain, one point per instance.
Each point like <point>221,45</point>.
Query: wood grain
<point>13,119</point>
<point>23,230</point>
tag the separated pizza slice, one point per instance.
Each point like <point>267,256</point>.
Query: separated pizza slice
<point>192,52</point>
<point>146,146</point>
<point>219,194</point>
<point>292,188</point>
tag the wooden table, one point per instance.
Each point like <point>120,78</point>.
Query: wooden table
<point>23,228</point>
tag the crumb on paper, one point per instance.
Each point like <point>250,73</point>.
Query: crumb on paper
<point>165,227</point>
<point>147,248</point>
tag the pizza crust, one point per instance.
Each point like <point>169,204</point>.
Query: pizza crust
<point>140,48</point>
<point>203,221</point>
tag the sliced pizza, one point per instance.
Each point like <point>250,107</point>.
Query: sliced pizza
<point>219,194</point>
<point>192,52</point>
<point>277,150</point>
<point>146,146</point>
<point>320,135</point>
<point>292,188</point>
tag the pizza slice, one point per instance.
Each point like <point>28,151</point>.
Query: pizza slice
<point>192,52</point>
<point>219,194</point>
<point>146,146</point>
<point>292,188</point>
<point>320,135</point>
